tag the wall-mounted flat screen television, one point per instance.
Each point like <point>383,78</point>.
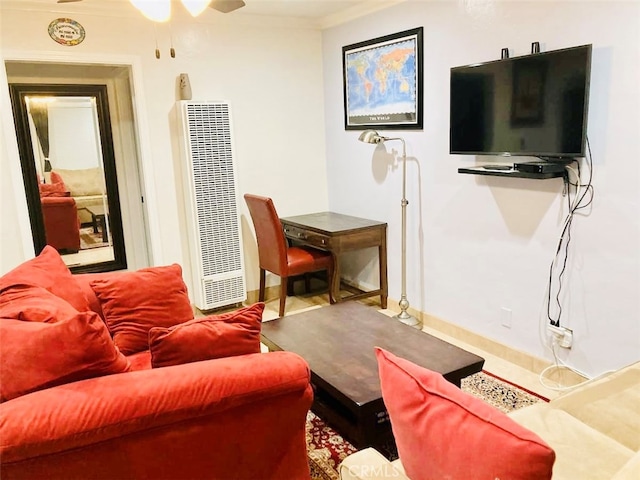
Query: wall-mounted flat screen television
<point>534,105</point>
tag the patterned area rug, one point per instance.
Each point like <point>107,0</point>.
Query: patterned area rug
<point>88,239</point>
<point>326,448</point>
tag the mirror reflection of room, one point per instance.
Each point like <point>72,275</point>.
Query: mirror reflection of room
<point>69,166</point>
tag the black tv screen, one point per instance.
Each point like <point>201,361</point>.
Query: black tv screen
<point>534,105</point>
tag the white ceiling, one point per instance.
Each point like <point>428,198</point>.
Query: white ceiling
<point>320,12</point>
<point>316,9</point>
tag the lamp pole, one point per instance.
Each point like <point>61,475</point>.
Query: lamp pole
<point>371,136</point>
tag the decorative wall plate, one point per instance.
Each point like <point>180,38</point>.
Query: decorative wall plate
<point>66,31</point>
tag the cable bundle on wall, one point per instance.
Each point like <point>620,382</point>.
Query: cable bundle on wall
<point>579,196</point>
<point>581,199</point>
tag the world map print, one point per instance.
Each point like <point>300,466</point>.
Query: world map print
<point>381,84</point>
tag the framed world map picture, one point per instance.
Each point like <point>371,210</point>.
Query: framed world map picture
<point>383,82</point>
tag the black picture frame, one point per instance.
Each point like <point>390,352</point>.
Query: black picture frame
<point>389,93</point>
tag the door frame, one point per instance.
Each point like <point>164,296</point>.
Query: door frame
<point>143,143</point>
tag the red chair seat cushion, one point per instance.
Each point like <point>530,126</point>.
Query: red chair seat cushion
<point>301,260</point>
<point>442,432</point>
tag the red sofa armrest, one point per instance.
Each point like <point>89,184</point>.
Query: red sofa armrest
<point>61,224</point>
<point>236,417</point>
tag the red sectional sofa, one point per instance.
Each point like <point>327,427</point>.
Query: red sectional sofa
<point>234,417</point>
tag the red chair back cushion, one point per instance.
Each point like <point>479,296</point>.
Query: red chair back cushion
<point>272,246</point>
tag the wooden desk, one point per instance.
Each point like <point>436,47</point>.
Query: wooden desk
<point>339,233</point>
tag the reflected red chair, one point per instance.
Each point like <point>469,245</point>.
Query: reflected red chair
<point>61,224</point>
<point>276,256</point>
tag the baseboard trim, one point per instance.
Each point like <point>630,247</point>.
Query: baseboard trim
<point>522,359</point>
<point>517,357</point>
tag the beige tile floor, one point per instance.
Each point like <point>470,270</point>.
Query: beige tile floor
<point>495,361</point>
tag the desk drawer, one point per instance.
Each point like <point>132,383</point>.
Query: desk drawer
<point>307,236</point>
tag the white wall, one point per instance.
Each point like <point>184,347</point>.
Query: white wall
<point>269,70</point>
<point>478,244</point>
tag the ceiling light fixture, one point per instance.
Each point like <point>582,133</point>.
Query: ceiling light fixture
<point>196,7</point>
<point>160,10</point>
<point>155,10</point>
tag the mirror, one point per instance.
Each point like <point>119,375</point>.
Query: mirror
<point>68,166</point>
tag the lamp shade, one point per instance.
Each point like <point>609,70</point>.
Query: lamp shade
<point>370,136</point>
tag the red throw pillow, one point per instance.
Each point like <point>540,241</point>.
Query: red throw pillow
<point>48,271</point>
<point>215,336</point>
<point>35,356</point>
<point>442,432</point>
<point>134,302</point>
<point>34,304</point>
<point>56,178</point>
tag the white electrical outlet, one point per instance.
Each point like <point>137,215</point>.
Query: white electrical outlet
<point>563,335</point>
<point>505,317</point>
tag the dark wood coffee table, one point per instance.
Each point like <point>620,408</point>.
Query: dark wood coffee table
<point>99,220</point>
<point>337,341</point>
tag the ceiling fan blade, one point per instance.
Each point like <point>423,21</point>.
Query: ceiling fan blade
<point>226,6</point>
<point>68,1</point>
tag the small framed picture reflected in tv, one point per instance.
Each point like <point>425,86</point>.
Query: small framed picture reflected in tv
<point>534,105</point>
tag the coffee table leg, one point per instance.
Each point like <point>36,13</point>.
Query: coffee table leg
<point>103,221</point>
<point>94,222</point>
<point>99,225</point>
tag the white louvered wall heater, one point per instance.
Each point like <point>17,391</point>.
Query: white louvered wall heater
<point>213,218</point>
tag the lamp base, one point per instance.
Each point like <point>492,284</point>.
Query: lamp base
<point>407,319</point>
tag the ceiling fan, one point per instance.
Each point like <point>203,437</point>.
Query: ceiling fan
<point>224,6</point>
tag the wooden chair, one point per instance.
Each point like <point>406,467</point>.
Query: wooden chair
<point>276,256</point>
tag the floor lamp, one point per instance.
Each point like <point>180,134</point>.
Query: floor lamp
<point>371,136</point>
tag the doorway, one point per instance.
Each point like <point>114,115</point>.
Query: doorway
<point>130,192</point>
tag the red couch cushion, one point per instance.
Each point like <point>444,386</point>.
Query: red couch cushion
<point>48,271</point>
<point>53,190</point>
<point>442,432</point>
<point>215,336</point>
<point>35,355</point>
<point>134,302</point>
<point>33,304</point>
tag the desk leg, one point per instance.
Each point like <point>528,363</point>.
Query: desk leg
<point>382,258</point>
<point>335,279</point>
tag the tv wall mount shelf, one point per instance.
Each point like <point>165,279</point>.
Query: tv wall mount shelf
<point>510,171</point>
